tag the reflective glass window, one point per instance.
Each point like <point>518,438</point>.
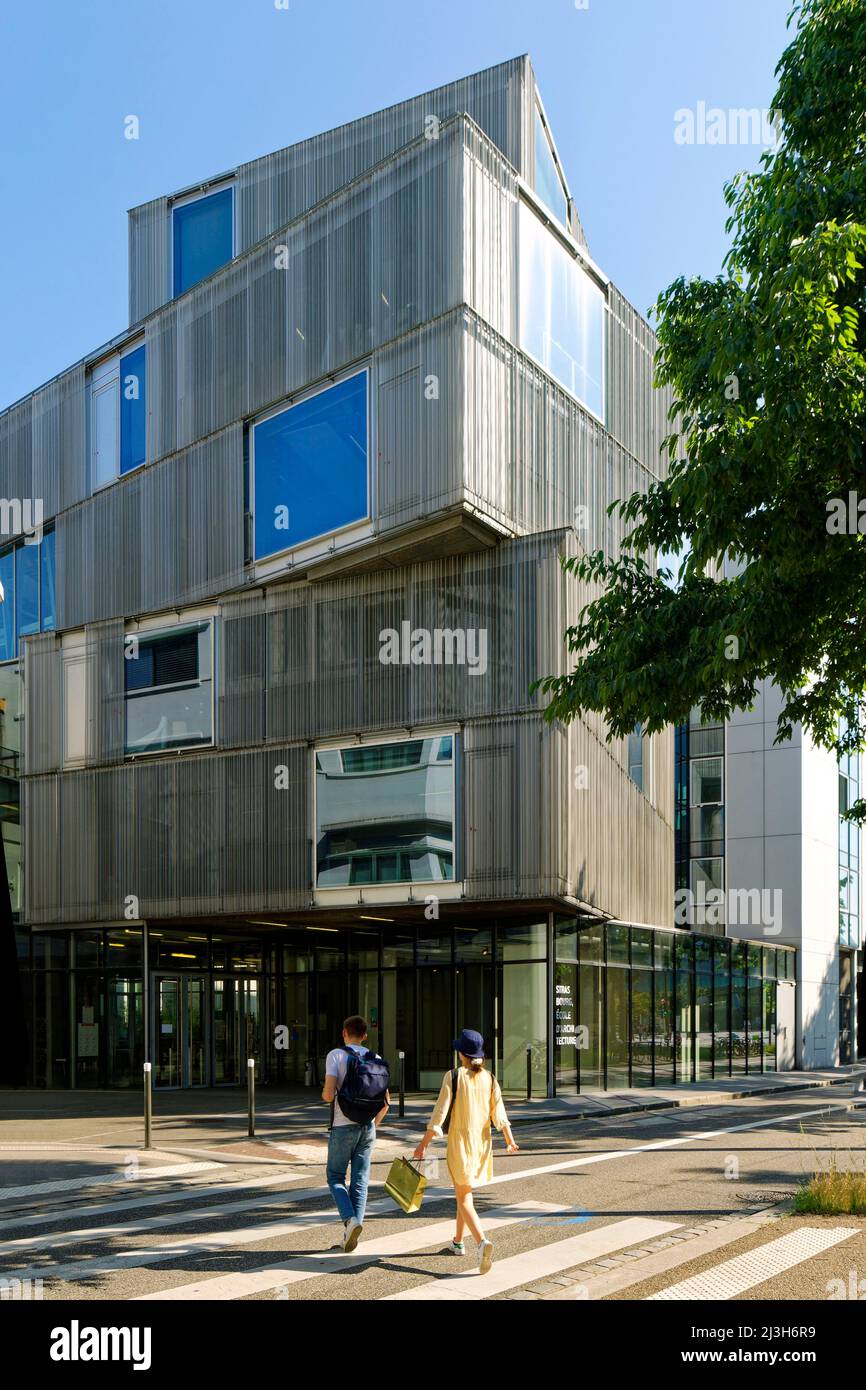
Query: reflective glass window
<point>561,312</point>
<point>203,238</point>
<point>310,467</point>
<point>548,184</point>
<point>389,822</point>
<point>133,409</point>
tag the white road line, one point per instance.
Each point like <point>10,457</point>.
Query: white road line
<point>317,1263</point>
<point>90,1235</point>
<point>776,1122</point>
<point>540,1263</point>
<point>755,1267</point>
<point>144,1173</point>
<point>180,1194</point>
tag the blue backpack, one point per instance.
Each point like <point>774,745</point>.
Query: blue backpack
<point>364,1087</point>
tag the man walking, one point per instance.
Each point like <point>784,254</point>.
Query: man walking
<point>356,1088</point>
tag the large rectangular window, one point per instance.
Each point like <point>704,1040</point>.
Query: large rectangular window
<point>203,237</point>
<point>561,312</point>
<point>380,819</point>
<point>169,689</point>
<point>310,467</point>
<point>26,592</point>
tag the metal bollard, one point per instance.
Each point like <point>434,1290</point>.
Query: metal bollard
<point>402,1106</point>
<point>148,1103</point>
<point>529,1071</point>
<point>251,1096</point>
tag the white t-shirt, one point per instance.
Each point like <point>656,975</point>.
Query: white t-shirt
<point>335,1065</point>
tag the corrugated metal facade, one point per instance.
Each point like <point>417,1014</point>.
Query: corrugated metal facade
<point>274,190</point>
<point>411,271</point>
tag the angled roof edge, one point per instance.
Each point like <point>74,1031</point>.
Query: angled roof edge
<point>200,185</point>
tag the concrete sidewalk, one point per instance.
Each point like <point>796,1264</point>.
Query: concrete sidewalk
<point>291,1122</point>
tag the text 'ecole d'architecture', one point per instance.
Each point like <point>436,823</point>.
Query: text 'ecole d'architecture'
<point>270,751</point>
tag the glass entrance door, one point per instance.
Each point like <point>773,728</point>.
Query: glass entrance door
<point>236,1028</point>
<point>180,1027</point>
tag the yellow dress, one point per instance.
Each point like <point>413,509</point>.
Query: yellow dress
<point>470,1144</point>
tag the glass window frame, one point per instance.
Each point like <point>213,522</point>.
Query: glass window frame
<point>199,195</point>
<point>176,749</point>
<point>106,376</point>
<point>338,746</point>
<point>534,207</point>
<point>10,552</point>
<point>302,398</point>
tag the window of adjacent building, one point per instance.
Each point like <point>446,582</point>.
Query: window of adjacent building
<point>310,467</point>
<point>385,813</point>
<point>548,180</point>
<point>849,847</point>
<point>203,237</point>
<point>118,415</point>
<point>561,312</point>
<point>26,592</point>
<point>168,679</point>
<point>635,756</point>
<point>707,775</point>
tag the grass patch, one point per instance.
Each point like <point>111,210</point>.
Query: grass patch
<point>833,1193</point>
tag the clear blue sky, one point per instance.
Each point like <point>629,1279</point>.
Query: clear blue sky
<point>217,82</point>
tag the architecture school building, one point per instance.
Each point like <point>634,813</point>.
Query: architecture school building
<point>271,751</point>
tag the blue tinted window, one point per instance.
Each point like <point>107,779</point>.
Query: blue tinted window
<point>561,312</point>
<point>202,238</point>
<point>46,551</point>
<point>548,184</point>
<point>311,467</point>
<point>7,605</point>
<point>133,409</point>
<point>27,589</point>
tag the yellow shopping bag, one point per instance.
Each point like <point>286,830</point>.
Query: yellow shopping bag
<point>406,1185</point>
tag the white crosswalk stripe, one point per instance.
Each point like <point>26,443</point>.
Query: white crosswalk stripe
<point>56,1240</point>
<point>541,1263</point>
<point>318,1263</point>
<point>144,1173</point>
<point>189,1192</point>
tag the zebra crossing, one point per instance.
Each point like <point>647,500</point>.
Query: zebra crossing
<point>163,1231</point>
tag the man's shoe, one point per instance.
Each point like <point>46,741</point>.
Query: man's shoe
<point>486,1252</point>
<point>352,1234</point>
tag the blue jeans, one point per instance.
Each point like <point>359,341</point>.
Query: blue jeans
<point>350,1146</point>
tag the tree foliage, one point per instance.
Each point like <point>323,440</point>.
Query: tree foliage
<point>767,369</point>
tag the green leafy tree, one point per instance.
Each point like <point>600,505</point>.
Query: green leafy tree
<point>767,370</point>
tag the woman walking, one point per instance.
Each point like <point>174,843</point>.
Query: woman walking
<point>469,1101</point>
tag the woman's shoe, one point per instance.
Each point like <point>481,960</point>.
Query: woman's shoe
<point>486,1252</point>
<point>457,1247</point>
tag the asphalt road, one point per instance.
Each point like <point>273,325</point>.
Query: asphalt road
<point>122,1226</point>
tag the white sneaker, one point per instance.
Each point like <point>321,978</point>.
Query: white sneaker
<point>352,1234</point>
<point>457,1247</point>
<point>485,1250</point>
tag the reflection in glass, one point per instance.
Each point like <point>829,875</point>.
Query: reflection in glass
<point>561,313</point>
<point>385,824</point>
<point>548,184</point>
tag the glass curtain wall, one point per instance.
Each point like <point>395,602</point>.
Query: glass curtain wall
<point>581,1005</point>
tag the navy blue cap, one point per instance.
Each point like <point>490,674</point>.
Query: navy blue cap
<point>470,1043</point>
